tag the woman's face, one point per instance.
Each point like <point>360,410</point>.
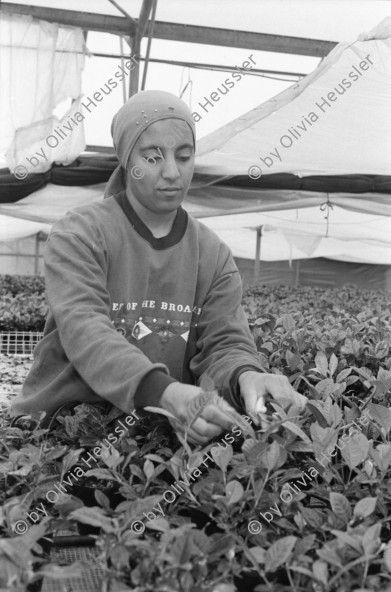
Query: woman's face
<point>161,166</point>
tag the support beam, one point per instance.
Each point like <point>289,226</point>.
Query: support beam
<point>149,43</point>
<point>136,45</point>
<point>297,273</point>
<point>178,32</point>
<point>130,19</point>
<point>36,254</point>
<point>257,262</point>
<point>86,20</point>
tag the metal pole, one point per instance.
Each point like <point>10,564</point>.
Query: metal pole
<point>134,75</point>
<point>297,273</point>
<point>257,262</point>
<point>151,27</point>
<point>36,254</point>
<point>121,43</point>
<point>136,45</point>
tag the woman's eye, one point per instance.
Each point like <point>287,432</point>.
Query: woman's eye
<point>152,158</point>
<point>184,158</point>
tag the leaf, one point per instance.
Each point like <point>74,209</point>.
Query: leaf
<point>320,571</point>
<point>94,516</point>
<point>297,446</point>
<point>314,408</point>
<point>313,517</point>
<point>103,474</point>
<point>387,557</point>
<point>340,506</point>
<point>33,535</point>
<point>348,540</point>
<point>288,322</point>
<point>382,456</point>
<point>293,360</point>
<point>371,538</point>
<point>326,387</point>
<point>355,450</point>
<point>344,374</point>
<point>304,545</point>
<point>297,431</point>
<point>135,508</point>
<point>182,549</point>
<point>271,455</point>
<point>57,572</point>
<point>22,472</point>
<point>333,364</point>
<point>102,499</point>
<point>148,468</point>
<point>254,454</point>
<point>365,507</point>
<point>329,555</point>
<point>71,459</point>
<point>56,453</point>
<point>111,457</point>
<point>258,553</point>
<point>193,463</point>
<point>279,552</point>
<point>222,457</point>
<point>160,524</point>
<point>222,544</point>
<point>324,439</point>
<point>155,457</point>
<point>332,412</point>
<point>198,404</point>
<point>68,503</point>
<point>224,588</point>
<point>321,363</point>
<point>234,492</point>
<point>160,411</point>
<point>381,414</point>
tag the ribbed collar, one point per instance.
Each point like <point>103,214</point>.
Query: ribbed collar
<point>172,238</point>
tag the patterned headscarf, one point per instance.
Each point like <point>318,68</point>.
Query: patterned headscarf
<point>138,113</point>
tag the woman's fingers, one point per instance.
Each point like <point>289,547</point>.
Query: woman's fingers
<point>217,416</point>
<point>205,430</point>
<point>200,432</point>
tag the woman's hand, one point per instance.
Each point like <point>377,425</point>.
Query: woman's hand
<point>208,425</point>
<point>254,386</point>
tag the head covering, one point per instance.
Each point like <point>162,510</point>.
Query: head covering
<point>138,113</point>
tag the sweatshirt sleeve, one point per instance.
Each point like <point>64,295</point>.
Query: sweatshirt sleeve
<point>225,346</point>
<point>76,284</point>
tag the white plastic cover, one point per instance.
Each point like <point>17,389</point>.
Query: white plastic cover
<point>334,121</point>
<point>40,66</point>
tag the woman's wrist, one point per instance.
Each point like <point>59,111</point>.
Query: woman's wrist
<point>169,396</point>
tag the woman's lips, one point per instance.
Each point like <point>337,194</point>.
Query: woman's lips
<point>170,190</point>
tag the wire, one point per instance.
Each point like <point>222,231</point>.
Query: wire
<point>212,67</point>
<point>260,73</point>
<point>326,207</point>
<point>321,223</point>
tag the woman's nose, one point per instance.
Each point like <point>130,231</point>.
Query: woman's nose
<point>170,168</point>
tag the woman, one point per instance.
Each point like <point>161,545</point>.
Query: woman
<point>145,300</point>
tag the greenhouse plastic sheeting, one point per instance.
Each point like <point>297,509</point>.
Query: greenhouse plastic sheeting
<point>323,230</point>
<point>19,228</point>
<point>307,131</point>
<point>42,64</point>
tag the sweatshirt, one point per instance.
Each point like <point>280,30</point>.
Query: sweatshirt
<point>130,313</point>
